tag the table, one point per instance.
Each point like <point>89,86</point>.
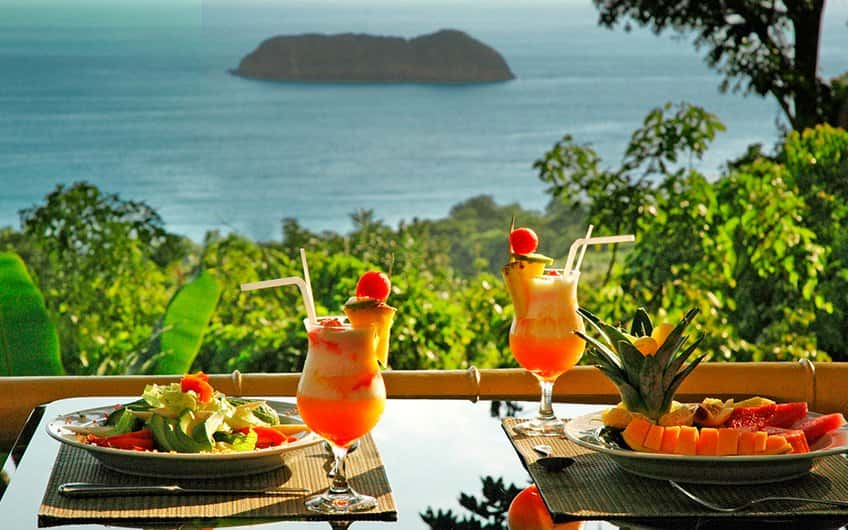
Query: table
<point>433,451</point>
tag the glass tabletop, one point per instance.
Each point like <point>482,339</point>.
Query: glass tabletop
<point>431,458</point>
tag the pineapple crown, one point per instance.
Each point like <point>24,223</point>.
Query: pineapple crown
<point>646,381</point>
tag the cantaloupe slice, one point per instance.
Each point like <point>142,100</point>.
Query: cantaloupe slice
<point>636,432</point>
<point>746,443</point>
<point>728,442</point>
<point>653,440</point>
<point>707,442</point>
<point>777,445</point>
<point>670,436</point>
<point>687,441</point>
<point>760,439</point>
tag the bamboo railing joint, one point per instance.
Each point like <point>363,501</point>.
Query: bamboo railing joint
<point>236,377</point>
<point>810,372</point>
<point>474,374</point>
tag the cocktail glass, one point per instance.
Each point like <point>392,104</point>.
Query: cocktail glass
<point>341,397</point>
<point>542,337</point>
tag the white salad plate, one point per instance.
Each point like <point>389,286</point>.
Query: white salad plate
<point>746,469</point>
<point>178,465</point>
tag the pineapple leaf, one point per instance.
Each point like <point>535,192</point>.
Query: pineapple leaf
<point>631,398</point>
<point>600,350</point>
<point>675,364</point>
<point>680,377</point>
<point>641,326</point>
<point>651,387</point>
<point>631,358</point>
<point>666,351</point>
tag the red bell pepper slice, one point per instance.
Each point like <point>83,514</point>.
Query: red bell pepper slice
<point>265,436</point>
<point>199,383</point>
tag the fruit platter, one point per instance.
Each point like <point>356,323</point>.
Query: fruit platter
<point>716,441</point>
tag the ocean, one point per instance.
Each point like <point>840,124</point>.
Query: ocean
<point>135,97</point>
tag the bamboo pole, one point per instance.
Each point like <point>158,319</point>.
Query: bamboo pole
<point>821,385</point>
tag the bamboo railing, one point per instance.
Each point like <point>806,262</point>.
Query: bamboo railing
<point>822,385</point>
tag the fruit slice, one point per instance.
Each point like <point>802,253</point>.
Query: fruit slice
<point>374,284</point>
<point>777,445</point>
<point>617,417</point>
<point>636,432</point>
<point>728,442</point>
<point>713,412</point>
<point>785,414</point>
<point>746,443</point>
<point>687,441</point>
<point>794,437</point>
<point>750,416</point>
<point>815,428</point>
<point>363,312</point>
<point>523,241</point>
<point>707,442</point>
<point>669,441</point>
<point>654,438</point>
<point>760,439</point>
<point>517,275</point>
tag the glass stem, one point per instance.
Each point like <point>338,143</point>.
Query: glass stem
<point>546,410</point>
<point>339,485</point>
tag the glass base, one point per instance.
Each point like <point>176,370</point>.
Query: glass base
<point>341,503</point>
<point>541,427</point>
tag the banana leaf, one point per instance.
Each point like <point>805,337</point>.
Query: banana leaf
<point>29,344</point>
<point>179,334</point>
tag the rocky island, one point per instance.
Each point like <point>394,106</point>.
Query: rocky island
<point>447,56</point>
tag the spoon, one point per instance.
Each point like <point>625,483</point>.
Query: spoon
<point>551,464</point>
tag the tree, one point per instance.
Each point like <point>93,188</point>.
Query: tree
<point>761,46</point>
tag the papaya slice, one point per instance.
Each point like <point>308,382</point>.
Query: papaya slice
<point>687,441</point>
<point>728,442</point>
<point>760,439</point>
<point>636,432</point>
<point>776,444</point>
<point>707,442</point>
<point>746,443</point>
<point>653,440</point>
<point>669,441</point>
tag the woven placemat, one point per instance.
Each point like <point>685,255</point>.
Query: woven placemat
<point>306,468</point>
<point>594,487</point>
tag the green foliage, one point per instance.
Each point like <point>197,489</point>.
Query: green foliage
<point>762,47</point>
<point>487,513</point>
<point>103,267</point>
<point>759,250</point>
<point>28,341</point>
<point>180,333</point>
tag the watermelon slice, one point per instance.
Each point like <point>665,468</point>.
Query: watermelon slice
<point>815,428</point>
<point>796,438</point>
<point>785,414</point>
<point>750,416</point>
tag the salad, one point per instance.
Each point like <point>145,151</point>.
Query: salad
<point>191,417</point>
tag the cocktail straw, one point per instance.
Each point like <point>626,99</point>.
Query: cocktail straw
<point>583,249</point>
<point>291,280</point>
<point>310,300</point>
<point>605,240</point>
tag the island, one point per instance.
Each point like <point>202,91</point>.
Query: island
<point>446,56</point>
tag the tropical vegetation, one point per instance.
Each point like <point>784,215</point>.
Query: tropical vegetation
<point>760,250</point>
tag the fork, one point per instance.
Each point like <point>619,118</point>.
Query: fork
<point>748,504</point>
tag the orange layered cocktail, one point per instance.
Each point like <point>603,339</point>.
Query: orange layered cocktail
<point>542,335</point>
<point>341,394</point>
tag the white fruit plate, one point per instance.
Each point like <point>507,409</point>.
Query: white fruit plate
<point>746,469</point>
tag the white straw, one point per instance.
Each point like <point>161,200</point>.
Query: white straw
<point>310,300</point>
<point>582,250</point>
<point>279,282</point>
<point>604,240</point>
